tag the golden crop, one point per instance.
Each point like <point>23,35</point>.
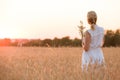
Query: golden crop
<point>35,63</point>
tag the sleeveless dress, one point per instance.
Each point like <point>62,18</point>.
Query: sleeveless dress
<point>94,54</point>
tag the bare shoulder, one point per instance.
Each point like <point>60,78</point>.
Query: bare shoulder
<point>87,33</point>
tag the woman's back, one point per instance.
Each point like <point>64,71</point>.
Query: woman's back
<point>96,37</point>
<point>94,54</point>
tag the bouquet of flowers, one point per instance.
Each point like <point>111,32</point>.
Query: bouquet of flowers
<point>81,28</point>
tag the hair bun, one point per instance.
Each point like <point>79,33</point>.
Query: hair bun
<point>92,15</point>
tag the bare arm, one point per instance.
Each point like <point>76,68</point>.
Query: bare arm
<point>87,41</point>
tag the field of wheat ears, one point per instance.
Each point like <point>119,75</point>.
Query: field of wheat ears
<point>35,63</point>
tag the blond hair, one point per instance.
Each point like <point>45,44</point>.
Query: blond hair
<point>92,18</point>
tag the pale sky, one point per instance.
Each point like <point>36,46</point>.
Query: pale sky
<point>54,18</point>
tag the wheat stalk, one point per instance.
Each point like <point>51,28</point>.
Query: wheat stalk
<point>81,28</point>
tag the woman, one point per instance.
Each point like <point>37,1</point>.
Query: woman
<point>92,43</point>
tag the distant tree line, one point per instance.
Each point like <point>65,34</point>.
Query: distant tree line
<point>56,42</point>
<point>112,39</point>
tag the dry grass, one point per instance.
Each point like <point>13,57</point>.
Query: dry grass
<point>33,63</point>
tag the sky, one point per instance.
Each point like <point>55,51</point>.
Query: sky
<point>54,18</point>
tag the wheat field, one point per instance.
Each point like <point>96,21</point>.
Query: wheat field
<point>36,63</point>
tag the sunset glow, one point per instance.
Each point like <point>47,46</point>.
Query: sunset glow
<point>53,18</point>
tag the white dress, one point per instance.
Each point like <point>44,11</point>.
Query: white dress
<point>94,54</point>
